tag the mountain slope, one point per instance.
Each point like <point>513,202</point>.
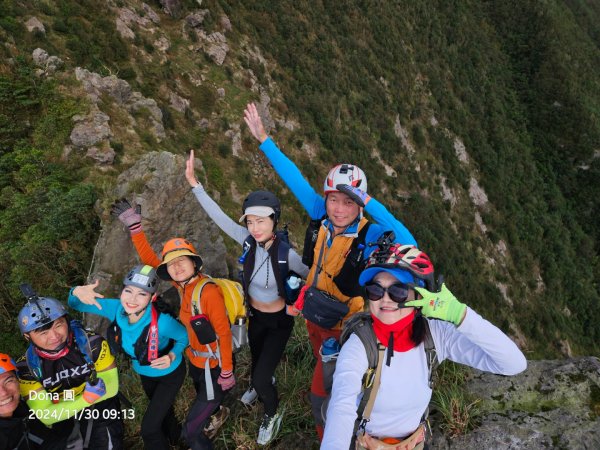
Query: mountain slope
<point>476,123</point>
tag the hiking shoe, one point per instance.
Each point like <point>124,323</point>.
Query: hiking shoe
<point>269,428</point>
<point>216,421</point>
<point>250,396</point>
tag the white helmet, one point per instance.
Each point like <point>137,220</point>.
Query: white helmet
<point>345,174</point>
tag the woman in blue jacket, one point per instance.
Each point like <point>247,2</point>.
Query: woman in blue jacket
<point>154,342</point>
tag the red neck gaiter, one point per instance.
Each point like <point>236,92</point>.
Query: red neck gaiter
<point>54,355</point>
<point>398,333</point>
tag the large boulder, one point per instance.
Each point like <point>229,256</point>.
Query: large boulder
<point>34,24</point>
<point>553,404</point>
<point>169,209</point>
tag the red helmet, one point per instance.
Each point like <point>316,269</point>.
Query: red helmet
<point>402,258</point>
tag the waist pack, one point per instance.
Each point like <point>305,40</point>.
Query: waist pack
<point>413,442</point>
<point>323,309</point>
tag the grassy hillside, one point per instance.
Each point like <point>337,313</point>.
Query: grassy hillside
<point>477,124</point>
<point>514,82</point>
<point>517,83</point>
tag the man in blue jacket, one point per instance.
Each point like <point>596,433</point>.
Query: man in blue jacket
<point>337,244</point>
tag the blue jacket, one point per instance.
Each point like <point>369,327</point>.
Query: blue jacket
<point>168,328</point>
<point>314,203</point>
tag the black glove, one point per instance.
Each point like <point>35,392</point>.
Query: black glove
<point>360,197</point>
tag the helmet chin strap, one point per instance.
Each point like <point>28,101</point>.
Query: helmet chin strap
<point>136,313</point>
<point>187,280</point>
<point>61,350</point>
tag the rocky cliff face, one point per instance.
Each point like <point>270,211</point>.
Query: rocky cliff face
<point>157,183</point>
<point>553,404</point>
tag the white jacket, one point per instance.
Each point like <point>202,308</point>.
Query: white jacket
<point>404,393</point>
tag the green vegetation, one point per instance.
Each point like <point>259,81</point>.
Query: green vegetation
<point>458,409</point>
<point>516,81</point>
<point>500,76</point>
<point>47,222</point>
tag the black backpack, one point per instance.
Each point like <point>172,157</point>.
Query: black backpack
<point>279,259</point>
<point>114,336</point>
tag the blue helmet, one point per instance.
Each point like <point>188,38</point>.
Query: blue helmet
<point>39,312</point>
<point>142,276</point>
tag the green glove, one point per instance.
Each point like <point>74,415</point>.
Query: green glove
<point>441,305</point>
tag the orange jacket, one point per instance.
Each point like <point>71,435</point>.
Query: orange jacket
<point>334,258</point>
<point>212,304</point>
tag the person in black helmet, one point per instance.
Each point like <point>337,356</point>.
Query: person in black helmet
<point>264,284</point>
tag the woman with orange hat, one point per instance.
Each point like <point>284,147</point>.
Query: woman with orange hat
<point>211,363</point>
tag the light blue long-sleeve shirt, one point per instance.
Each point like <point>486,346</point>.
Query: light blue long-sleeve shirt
<point>314,203</point>
<point>168,328</point>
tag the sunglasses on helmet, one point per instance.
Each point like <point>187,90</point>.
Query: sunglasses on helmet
<point>398,292</point>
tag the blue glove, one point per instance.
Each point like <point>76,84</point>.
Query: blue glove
<point>93,392</point>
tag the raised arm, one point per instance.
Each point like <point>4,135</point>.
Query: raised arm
<point>131,217</point>
<point>462,335</point>
<point>86,299</point>
<point>312,202</point>
<point>223,221</point>
<point>380,215</point>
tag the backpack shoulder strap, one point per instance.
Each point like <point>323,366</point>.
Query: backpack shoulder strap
<point>310,240</point>
<point>361,325</point>
<point>83,343</point>
<point>33,362</point>
<point>197,294</point>
<point>283,254</point>
<point>430,353</point>
<point>362,233</point>
<point>365,407</point>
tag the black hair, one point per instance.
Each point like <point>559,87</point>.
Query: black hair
<point>418,331</point>
<point>271,216</point>
<point>50,324</point>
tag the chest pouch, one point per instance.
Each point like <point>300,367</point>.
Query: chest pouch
<point>203,329</point>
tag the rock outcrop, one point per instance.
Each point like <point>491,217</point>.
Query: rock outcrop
<point>48,64</point>
<point>134,102</point>
<point>34,24</point>
<point>156,182</point>
<point>553,404</point>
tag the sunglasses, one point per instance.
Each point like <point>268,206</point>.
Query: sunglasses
<point>398,292</point>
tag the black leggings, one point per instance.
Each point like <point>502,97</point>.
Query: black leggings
<point>159,425</point>
<point>268,334</point>
<point>202,408</point>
